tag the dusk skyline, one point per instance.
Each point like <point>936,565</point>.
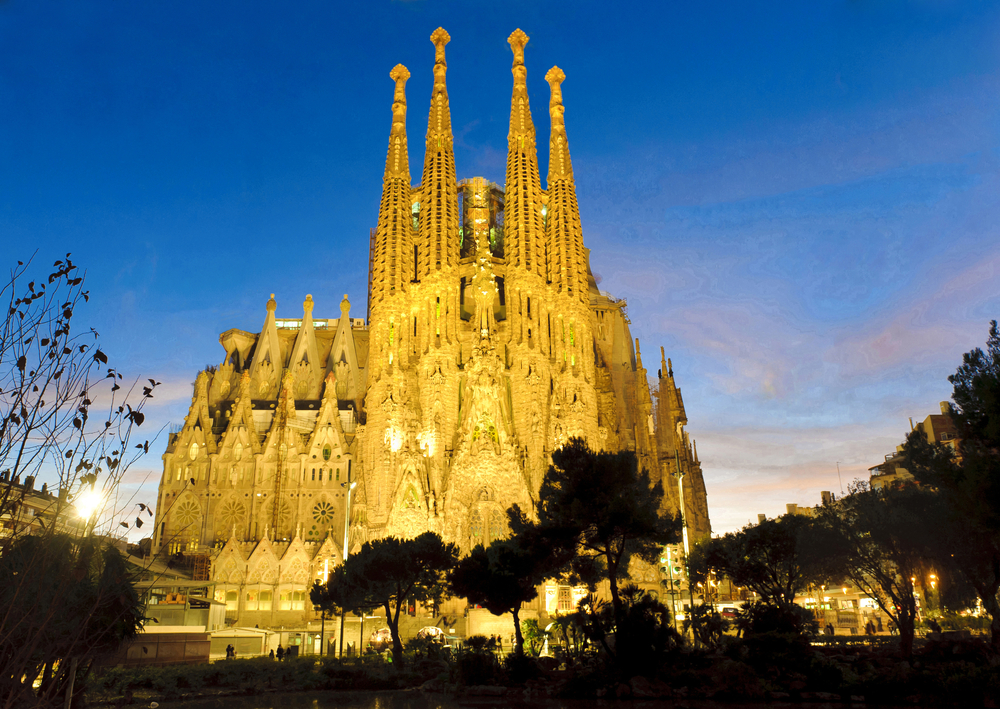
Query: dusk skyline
<point>798,202</point>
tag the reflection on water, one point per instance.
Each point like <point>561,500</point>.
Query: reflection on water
<point>393,700</point>
<point>418,700</point>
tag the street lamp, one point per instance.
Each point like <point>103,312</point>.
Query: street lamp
<point>349,485</point>
<point>668,562</point>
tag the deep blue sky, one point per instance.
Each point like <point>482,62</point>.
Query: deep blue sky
<point>798,199</point>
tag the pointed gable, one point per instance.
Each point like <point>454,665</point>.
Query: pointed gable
<point>304,362</point>
<point>295,563</point>
<point>328,429</point>
<point>198,416</point>
<point>329,553</point>
<point>241,428</point>
<point>229,566</point>
<point>263,563</point>
<point>281,430</point>
<point>343,360</point>
<point>267,360</point>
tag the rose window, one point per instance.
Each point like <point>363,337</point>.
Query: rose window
<point>323,512</point>
<point>284,514</point>
<point>232,513</point>
<point>187,513</point>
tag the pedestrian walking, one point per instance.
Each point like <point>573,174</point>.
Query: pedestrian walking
<point>271,655</point>
<point>281,653</point>
<point>829,629</point>
<point>869,628</point>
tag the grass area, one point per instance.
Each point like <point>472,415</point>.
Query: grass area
<point>256,676</point>
<point>765,667</point>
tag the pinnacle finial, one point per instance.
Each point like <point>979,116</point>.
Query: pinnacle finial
<point>271,304</point>
<point>399,74</point>
<point>307,305</point>
<point>517,40</point>
<point>440,37</point>
<point>555,76</point>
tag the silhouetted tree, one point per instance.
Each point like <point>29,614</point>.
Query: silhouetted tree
<point>776,558</point>
<point>599,510</point>
<point>391,573</point>
<point>501,578</point>
<point>969,481</point>
<point>67,419</point>
<point>880,539</point>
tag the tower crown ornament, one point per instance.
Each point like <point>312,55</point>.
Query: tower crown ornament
<point>399,74</point>
<point>517,41</point>
<point>555,77</point>
<point>440,37</point>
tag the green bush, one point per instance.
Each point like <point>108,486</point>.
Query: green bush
<point>736,680</point>
<point>520,668</point>
<point>759,617</point>
<point>478,667</point>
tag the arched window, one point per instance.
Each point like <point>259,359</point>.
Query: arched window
<point>193,452</point>
<point>410,498</point>
<point>476,529</point>
<point>498,528</point>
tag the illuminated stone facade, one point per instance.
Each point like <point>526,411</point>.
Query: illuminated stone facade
<point>487,346</point>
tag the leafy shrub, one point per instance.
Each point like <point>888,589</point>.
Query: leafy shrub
<point>736,680</point>
<point>520,668</point>
<point>478,667</point>
<point>759,617</point>
<point>476,642</point>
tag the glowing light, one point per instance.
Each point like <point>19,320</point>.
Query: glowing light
<point>88,503</point>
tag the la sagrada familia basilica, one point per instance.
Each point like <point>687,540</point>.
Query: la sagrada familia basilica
<point>487,346</point>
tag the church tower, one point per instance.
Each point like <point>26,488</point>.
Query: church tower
<point>499,348</point>
<point>488,346</point>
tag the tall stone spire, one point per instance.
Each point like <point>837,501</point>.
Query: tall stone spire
<point>524,224</point>
<point>437,244</point>
<point>393,234</point>
<point>567,259</point>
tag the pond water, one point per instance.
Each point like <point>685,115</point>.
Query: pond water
<point>409,700</point>
<point>418,700</point>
